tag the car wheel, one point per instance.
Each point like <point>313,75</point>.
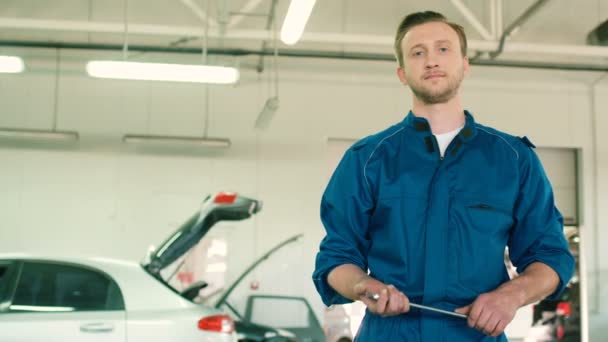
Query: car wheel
<point>277,339</point>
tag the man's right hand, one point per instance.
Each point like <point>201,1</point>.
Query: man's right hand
<point>353,283</point>
<point>391,301</point>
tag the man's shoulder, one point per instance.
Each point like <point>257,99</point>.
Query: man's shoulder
<point>516,143</point>
<point>492,132</point>
<point>371,142</point>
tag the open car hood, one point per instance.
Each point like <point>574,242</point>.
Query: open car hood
<point>223,206</point>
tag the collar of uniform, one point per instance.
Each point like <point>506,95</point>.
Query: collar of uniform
<point>466,134</point>
<point>421,125</point>
<point>469,131</point>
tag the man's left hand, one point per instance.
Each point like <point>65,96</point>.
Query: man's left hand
<point>491,312</point>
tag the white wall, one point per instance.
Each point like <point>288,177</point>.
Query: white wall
<point>597,235</point>
<point>102,197</point>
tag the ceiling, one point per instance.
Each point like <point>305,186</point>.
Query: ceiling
<point>556,32</point>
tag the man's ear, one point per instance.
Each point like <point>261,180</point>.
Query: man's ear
<point>401,75</point>
<point>466,66</point>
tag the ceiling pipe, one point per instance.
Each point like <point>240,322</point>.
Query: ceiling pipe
<point>516,25</point>
<point>383,41</point>
<point>299,53</point>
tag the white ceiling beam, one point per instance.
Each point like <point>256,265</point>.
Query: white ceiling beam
<point>247,8</point>
<point>496,8</point>
<point>470,17</point>
<point>199,12</point>
<point>383,41</point>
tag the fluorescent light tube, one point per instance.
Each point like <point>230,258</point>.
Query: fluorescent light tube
<point>270,107</point>
<point>165,139</point>
<point>295,20</point>
<point>38,134</point>
<point>163,72</point>
<point>11,64</point>
<point>341,139</point>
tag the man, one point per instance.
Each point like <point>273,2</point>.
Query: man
<point>423,211</point>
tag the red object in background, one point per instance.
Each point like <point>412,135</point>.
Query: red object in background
<point>185,277</point>
<point>217,323</point>
<point>254,285</point>
<point>564,309</point>
<point>560,332</point>
<point>225,198</point>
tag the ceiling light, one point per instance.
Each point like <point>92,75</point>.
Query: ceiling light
<point>11,64</point>
<point>295,20</point>
<point>270,107</point>
<point>165,139</point>
<point>163,72</point>
<point>52,135</point>
<point>38,134</point>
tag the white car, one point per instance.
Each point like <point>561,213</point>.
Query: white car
<point>97,299</point>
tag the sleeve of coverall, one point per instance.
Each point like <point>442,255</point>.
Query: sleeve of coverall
<point>538,235</point>
<point>345,209</point>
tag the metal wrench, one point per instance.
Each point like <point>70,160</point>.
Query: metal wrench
<point>375,296</point>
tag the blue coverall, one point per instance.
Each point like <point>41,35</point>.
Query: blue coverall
<point>436,227</point>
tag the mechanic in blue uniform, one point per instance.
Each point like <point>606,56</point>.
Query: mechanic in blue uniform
<point>423,211</point>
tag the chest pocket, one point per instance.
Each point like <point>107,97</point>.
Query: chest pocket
<point>488,218</point>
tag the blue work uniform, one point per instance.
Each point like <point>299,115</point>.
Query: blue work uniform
<point>437,227</point>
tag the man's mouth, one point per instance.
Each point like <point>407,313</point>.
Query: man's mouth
<point>433,75</point>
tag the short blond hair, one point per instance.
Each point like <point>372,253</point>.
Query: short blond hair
<point>420,18</point>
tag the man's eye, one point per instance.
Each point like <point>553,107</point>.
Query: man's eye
<point>417,53</point>
<point>443,49</point>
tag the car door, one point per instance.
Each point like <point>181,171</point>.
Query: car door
<point>293,314</point>
<point>55,302</point>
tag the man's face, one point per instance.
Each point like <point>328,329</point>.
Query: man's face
<point>433,64</point>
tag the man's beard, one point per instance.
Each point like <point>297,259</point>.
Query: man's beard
<point>430,97</point>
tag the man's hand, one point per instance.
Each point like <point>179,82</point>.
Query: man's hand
<point>491,312</point>
<point>391,301</point>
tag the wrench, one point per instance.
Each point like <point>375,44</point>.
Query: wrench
<point>375,296</point>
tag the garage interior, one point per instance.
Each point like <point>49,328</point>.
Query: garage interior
<point>109,167</point>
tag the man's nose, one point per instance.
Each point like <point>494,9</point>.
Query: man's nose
<point>431,61</point>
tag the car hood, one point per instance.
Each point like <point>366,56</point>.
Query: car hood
<point>223,206</point>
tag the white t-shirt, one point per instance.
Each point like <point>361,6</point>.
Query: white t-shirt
<point>444,139</point>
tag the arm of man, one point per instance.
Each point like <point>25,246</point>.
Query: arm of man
<point>537,247</point>
<point>353,283</point>
<point>491,312</point>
